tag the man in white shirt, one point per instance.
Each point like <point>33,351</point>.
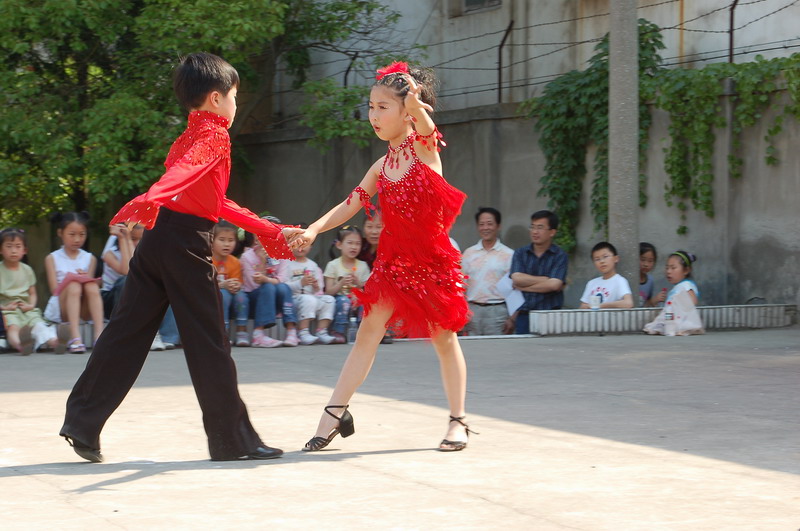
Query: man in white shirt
<point>485,263</point>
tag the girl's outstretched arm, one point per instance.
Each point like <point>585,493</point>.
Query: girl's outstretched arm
<point>344,210</point>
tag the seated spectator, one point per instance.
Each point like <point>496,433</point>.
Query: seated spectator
<point>229,279</point>
<point>70,277</point>
<point>372,234</point>
<point>679,274</point>
<point>266,294</point>
<point>26,328</point>
<point>610,290</point>
<point>342,275</point>
<point>647,260</point>
<point>116,256</point>
<point>305,279</point>
<point>486,263</point>
<point>539,271</point>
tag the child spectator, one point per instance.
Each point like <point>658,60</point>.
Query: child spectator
<point>372,233</point>
<point>229,279</point>
<point>681,314</point>
<point>611,288</point>
<point>26,329</point>
<point>647,260</point>
<point>343,274</point>
<point>265,294</point>
<point>116,256</point>
<point>305,279</point>
<point>679,272</point>
<point>70,276</point>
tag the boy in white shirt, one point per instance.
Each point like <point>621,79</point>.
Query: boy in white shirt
<point>611,288</point>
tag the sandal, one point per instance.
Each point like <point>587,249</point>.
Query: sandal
<point>76,346</point>
<point>345,427</point>
<point>455,446</point>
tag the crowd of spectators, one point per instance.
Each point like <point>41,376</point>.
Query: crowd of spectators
<point>315,305</point>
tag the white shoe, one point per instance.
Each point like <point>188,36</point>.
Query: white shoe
<point>266,342</point>
<point>324,337</point>
<point>306,338</point>
<point>241,339</point>
<point>157,343</point>
<point>168,345</point>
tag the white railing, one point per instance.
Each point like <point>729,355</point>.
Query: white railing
<point>620,321</point>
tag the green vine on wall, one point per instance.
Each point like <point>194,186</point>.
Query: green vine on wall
<point>572,114</point>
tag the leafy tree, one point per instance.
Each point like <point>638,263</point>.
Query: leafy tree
<point>87,110</point>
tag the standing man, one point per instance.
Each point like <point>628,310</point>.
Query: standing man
<point>485,263</point>
<point>539,271</point>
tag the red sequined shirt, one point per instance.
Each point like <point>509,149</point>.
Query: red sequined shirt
<point>197,176</point>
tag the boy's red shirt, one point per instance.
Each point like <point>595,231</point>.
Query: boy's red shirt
<point>197,176</point>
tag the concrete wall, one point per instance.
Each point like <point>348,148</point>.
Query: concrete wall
<point>751,248</point>
<point>550,38</point>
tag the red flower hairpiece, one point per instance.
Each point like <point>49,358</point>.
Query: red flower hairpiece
<point>397,67</point>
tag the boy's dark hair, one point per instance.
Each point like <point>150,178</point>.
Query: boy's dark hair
<point>223,226</point>
<point>604,245</point>
<point>62,219</point>
<point>424,77</point>
<point>645,247</point>
<point>552,218</point>
<point>198,74</point>
<point>489,210</point>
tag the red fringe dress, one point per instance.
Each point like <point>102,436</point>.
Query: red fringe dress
<point>417,270</point>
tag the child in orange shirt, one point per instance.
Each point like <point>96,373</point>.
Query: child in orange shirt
<point>229,279</point>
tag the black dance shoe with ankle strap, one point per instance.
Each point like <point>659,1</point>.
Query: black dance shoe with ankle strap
<point>455,446</point>
<point>345,428</point>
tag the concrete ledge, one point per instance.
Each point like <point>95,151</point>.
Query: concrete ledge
<point>632,320</point>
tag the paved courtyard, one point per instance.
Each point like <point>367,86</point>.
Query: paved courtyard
<point>576,433</point>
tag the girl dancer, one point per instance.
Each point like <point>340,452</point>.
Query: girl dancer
<point>416,278</point>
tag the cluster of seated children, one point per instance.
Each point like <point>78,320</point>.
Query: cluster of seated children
<point>258,287</point>
<point>252,286</point>
<point>611,290</point>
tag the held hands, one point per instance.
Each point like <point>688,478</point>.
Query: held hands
<point>292,236</point>
<point>305,239</point>
<point>119,230</point>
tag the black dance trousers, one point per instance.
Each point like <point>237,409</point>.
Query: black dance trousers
<point>171,265</point>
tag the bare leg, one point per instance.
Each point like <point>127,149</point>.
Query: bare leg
<point>93,307</point>
<point>357,365</point>
<point>70,301</point>
<point>12,335</point>
<point>454,378</point>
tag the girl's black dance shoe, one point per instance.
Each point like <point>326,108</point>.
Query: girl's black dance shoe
<point>455,446</point>
<point>345,427</point>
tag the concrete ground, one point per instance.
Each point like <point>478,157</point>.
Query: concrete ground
<point>578,433</point>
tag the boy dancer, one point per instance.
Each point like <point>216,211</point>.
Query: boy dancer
<point>172,265</point>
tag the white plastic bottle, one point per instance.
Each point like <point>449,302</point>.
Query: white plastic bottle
<point>670,327</point>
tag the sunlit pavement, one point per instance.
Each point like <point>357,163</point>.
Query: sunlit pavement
<point>586,433</point>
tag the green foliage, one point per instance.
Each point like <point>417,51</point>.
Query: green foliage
<point>87,112</point>
<point>573,113</point>
<point>332,113</point>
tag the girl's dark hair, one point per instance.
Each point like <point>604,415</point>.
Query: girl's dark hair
<point>198,74</point>
<point>686,259</point>
<point>423,76</point>
<point>342,234</point>
<point>645,247</point>
<point>12,234</point>
<point>62,219</point>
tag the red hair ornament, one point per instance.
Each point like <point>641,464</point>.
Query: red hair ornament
<point>397,67</point>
